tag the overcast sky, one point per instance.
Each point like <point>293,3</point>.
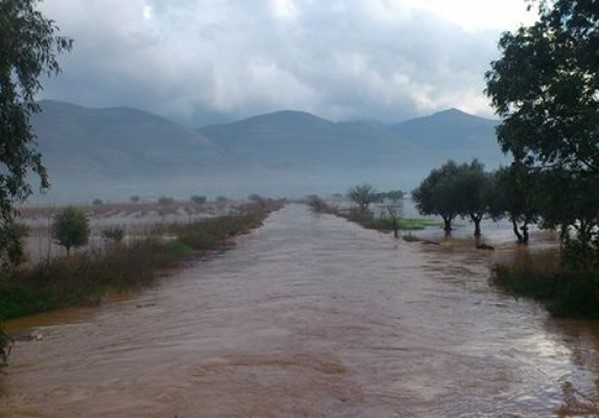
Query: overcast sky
<point>203,61</point>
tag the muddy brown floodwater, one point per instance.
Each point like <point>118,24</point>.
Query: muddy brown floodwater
<point>309,316</point>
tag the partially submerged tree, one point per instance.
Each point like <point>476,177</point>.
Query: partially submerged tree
<point>70,228</point>
<point>28,49</point>
<point>455,190</point>
<point>394,211</point>
<point>545,87</point>
<point>516,192</point>
<point>436,194</point>
<point>362,195</point>
<point>474,190</point>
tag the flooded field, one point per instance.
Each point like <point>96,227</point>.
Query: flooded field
<point>311,316</point>
<point>134,218</point>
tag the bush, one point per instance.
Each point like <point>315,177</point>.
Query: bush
<point>114,233</point>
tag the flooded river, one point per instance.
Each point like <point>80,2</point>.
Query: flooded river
<point>309,316</point>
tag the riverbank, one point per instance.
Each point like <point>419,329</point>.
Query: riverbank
<point>563,291</point>
<point>84,278</point>
<point>387,222</point>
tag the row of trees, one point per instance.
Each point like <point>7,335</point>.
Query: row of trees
<point>468,191</point>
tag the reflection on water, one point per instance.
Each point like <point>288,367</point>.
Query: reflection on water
<point>311,316</point>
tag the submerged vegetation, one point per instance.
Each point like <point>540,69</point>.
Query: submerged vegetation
<point>85,277</point>
<point>563,291</point>
<point>389,218</point>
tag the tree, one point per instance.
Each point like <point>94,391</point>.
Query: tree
<point>71,228</point>
<point>134,198</point>
<point>393,195</point>
<point>515,196</point>
<point>394,211</point>
<point>473,190</point>
<point>198,200</point>
<point>28,49</point>
<point>362,195</point>
<point>317,204</point>
<point>545,87</point>
<point>166,200</point>
<point>436,194</point>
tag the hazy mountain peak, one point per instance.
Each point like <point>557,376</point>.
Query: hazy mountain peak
<point>290,117</point>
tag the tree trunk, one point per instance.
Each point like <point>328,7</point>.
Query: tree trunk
<point>517,232</point>
<point>447,225</point>
<point>524,233</point>
<point>476,218</point>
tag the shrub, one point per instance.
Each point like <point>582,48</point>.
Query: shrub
<point>113,233</point>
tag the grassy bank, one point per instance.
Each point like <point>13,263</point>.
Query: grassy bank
<point>564,292</point>
<point>387,224</point>
<point>84,278</point>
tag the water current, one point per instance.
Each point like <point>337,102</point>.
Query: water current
<point>309,316</point>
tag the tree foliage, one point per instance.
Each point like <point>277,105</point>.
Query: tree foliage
<point>71,228</point>
<point>362,195</point>
<point>28,49</point>
<point>545,87</point>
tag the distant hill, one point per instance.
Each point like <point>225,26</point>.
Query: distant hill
<point>115,148</point>
<point>293,139</point>
<point>399,154</point>
<point>453,132</point>
<point>117,152</point>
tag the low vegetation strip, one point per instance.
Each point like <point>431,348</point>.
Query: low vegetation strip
<point>565,292</point>
<point>85,277</point>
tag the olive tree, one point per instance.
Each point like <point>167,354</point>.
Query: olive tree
<point>28,48</point>
<point>545,88</point>
<point>474,191</point>
<point>436,194</point>
<point>71,228</point>
<point>516,196</point>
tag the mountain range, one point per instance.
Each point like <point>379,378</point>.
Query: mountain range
<point>117,152</point>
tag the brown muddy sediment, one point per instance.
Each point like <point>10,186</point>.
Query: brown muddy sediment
<point>310,316</point>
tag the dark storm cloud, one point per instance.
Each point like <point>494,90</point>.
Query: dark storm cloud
<point>201,61</point>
